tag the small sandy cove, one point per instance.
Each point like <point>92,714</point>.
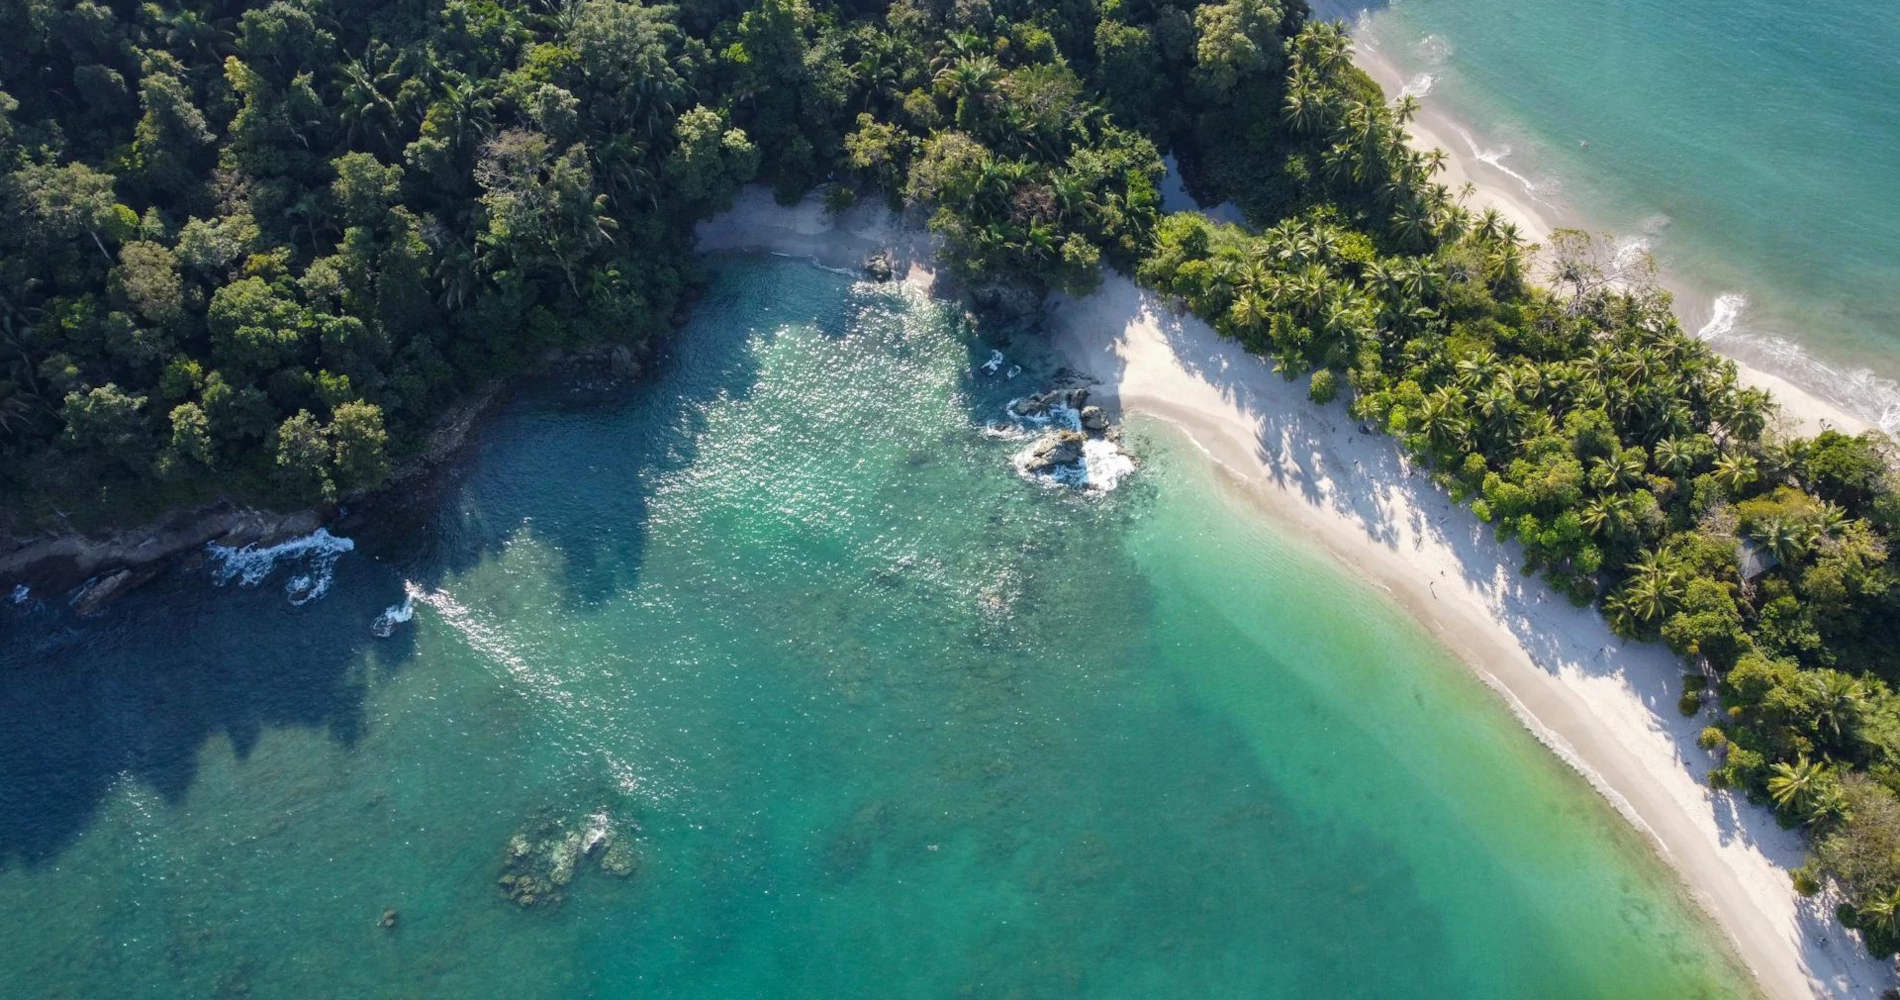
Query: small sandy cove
<point>1606,706</point>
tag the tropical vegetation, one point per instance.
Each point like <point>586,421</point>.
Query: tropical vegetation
<point>253,250</point>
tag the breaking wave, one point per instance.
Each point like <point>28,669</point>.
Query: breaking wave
<point>1418,86</point>
<point>250,565</point>
<point>396,614</point>
<point>1859,391</point>
<point>1494,158</point>
<point>1723,313</point>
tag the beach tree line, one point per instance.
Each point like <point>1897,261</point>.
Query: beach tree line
<point>252,250</point>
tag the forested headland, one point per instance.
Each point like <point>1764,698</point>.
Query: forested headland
<point>252,250</point>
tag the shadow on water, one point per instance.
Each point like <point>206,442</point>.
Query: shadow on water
<point>573,460</point>
<point>135,694</point>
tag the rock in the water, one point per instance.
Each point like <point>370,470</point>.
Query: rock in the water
<point>618,859</point>
<point>389,917</point>
<point>622,362</point>
<point>878,266</point>
<point>1056,448</point>
<point>1094,420</point>
<point>1077,398</point>
<point>101,591</point>
<point>1032,405</point>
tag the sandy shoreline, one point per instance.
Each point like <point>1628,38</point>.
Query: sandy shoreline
<point>1606,707</point>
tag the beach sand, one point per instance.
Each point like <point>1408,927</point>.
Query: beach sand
<point>1605,706</point>
<point>1491,186</point>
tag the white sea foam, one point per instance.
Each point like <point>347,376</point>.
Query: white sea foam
<point>1494,158</point>
<point>21,594</point>
<point>396,614</point>
<point>994,364</point>
<point>1857,390</point>
<point>1723,314</point>
<point>251,565</point>
<point>1102,467</point>
<point>1418,86</point>
<point>1056,415</point>
<point>1435,49</point>
<point>1014,370</point>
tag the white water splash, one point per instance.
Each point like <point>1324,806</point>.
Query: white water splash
<point>1101,468</point>
<point>21,594</point>
<point>1723,313</point>
<point>396,614</point>
<point>1055,414</point>
<point>1494,158</point>
<point>251,566</point>
<point>1417,86</point>
<point>994,364</point>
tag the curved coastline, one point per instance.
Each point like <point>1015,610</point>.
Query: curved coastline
<point>1492,185</point>
<point>1607,707</point>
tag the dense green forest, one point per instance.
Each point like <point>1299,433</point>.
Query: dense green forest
<point>252,250</point>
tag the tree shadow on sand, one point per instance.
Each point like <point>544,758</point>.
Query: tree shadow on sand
<point>1318,454</point>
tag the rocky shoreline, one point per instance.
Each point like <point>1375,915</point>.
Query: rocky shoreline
<point>90,570</point>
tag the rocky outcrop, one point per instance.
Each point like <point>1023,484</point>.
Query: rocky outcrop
<point>879,266</point>
<point>113,564</point>
<point>1053,450</point>
<point>541,860</point>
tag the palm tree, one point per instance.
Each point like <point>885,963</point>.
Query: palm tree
<point>1477,368</point>
<point>971,82</point>
<point>1837,698</point>
<point>368,115</point>
<point>1794,786</point>
<point>1783,537</point>
<point>1621,469</point>
<point>1599,515</point>
<point>1736,471</point>
<point>1442,420</point>
<point>1673,457</point>
<point>1882,912</point>
<point>1653,587</point>
<point>1302,109</point>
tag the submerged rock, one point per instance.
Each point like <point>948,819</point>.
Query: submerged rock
<point>618,859</point>
<point>389,918</point>
<point>538,862</point>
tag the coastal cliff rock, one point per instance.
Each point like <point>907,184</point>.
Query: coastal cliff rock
<point>113,564</point>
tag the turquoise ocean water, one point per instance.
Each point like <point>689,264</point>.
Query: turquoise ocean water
<point>1753,145</point>
<point>867,714</point>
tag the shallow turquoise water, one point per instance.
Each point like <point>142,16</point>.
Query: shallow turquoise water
<point>877,718</point>
<point>1755,145</point>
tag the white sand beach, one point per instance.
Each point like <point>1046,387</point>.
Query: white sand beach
<point>1491,186</point>
<point>1606,706</point>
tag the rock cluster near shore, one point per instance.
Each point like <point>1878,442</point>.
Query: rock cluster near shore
<point>541,860</point>
<point>1072,423</point>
